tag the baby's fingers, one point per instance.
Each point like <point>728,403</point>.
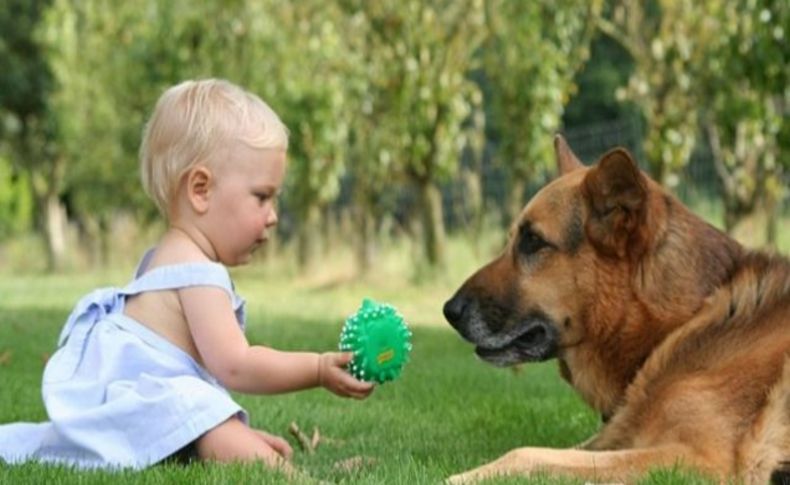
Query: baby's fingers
<point>358,394</point>
<point>280,445</point>
<point>355,388</point>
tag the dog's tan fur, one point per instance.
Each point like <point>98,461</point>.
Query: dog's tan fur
<point>677,335</point>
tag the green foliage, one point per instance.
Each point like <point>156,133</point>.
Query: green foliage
<point>726,59</point>
<point>609,67</point>
<point>418,55</point>
<point>26,128</point>
<point>88,114</point>
<point>26,77</point>
<point>744,94</point>
<point>16,202</point>
<point>314,106</point>
<point>413,97</point>
<point>533,51</point>
<point>666,40</point>
<point>162,44</point>
<point>388,94</point>
<point>530,58</point>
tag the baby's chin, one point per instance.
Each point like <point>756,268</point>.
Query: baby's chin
<point>245,257</point>
<point>244,260</point>
<point>240,260</point>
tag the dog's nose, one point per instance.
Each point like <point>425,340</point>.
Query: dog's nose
<point>454,309</point>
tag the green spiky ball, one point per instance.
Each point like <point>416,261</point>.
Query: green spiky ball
<point>380,341</point>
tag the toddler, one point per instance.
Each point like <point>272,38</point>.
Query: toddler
<point>141,372</point>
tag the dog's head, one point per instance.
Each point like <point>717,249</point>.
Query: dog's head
<point>534,300</point>
<point>599,267</point>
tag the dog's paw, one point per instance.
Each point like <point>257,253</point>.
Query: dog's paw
<point>462,478</point>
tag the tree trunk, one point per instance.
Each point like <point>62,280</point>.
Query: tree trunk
<point>89,239</point>
<point>329,231</point>
<point>364,242</point>
<point>473,200</point>
<point>45,181</point>
<point>771,218</point>
<point>105,228</point>
<point>656,164</point>
<point>731,219</point>
<point>55,231</point>
<point>515,198</point>
<point>308,237</point>
<point>432,219</point>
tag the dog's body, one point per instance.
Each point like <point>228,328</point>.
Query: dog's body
<point>679,337</point>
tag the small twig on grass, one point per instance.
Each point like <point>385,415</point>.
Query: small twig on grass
<point>315,439</point>
<point>5,357</point>
<point>309,444</point>
<point>304,441</point>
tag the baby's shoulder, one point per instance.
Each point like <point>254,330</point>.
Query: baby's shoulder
<point>186,274</point>
<point>164,269</point>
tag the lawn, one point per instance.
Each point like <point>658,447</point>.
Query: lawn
<point>447,413</point>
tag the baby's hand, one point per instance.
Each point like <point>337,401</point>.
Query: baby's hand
<point>333,376</point>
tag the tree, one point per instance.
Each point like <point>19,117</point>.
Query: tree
<point>532,52</point>
<point>121,56</point>
<point>666,39</point>
<point>307,84</point>
<point>744,95</point>
<point>722,64</point>
<point>29,129</point>
<point>88,102</point>
<point>420,54</point>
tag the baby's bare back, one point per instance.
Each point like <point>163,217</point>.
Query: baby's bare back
<point>161,312</point>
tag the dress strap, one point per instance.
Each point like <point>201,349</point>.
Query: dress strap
<point>181,276</point>
<point>187,275</point>
<point>104,301</point>
<point>175,276</point>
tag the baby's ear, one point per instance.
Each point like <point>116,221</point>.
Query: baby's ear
<point>199,180</point>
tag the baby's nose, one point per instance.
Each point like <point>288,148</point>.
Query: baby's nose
<point>273,219</point>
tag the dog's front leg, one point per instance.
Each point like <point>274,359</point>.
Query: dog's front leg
<point>515,462</point>
<point>618,466</point>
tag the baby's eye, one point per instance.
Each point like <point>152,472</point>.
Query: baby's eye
<point>263,197</point>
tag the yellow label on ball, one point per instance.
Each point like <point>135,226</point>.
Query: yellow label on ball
<point>385,356</point>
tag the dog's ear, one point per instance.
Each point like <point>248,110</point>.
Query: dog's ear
<point>566,159</point>
<point>616,193</point>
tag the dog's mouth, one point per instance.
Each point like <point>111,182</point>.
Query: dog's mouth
<point>536,339</point>
<point>502,336</point>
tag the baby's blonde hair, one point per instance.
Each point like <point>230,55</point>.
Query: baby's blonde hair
<point>193,119</point>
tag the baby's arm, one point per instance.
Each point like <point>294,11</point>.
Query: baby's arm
<point>253,368</point>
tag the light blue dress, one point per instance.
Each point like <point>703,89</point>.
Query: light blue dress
<point>118,394</point>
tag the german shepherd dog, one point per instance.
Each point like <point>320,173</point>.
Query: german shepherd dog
<point>674,333</point>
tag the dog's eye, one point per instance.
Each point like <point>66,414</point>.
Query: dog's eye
<point>530,243</point>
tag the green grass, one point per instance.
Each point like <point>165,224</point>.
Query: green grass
<point>449,411</point>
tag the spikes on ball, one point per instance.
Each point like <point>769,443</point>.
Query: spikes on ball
<point>380,341</point>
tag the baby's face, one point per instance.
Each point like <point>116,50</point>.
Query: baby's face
<point>243,203</point>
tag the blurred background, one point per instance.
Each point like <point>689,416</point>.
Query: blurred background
<point>418,128</point>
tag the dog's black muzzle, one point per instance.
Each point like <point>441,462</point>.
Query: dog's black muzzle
<point>529,338</point>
